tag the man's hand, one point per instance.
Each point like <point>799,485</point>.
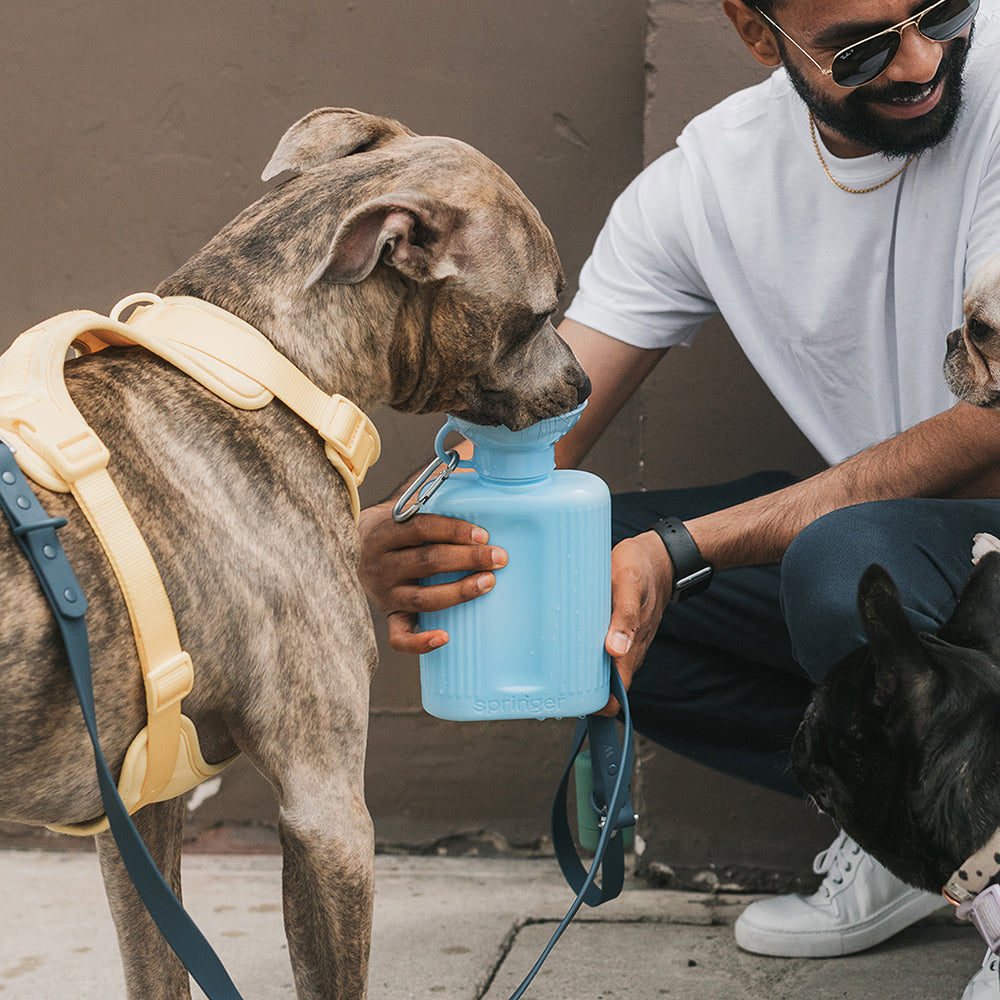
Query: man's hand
<point>641,584</point>
<point>395,557</point>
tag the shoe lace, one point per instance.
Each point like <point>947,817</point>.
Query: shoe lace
<point>836,861</point>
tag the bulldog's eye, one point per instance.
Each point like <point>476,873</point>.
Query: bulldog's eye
<point>978,330</point>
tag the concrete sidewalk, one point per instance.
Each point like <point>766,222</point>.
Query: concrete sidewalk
<point>461,928</point>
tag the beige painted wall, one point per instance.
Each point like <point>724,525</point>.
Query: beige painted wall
<point>133,132</point>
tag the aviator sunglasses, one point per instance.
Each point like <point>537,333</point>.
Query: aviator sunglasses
<point>861,62</point>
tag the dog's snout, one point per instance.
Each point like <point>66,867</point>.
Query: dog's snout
<point>955,338</point>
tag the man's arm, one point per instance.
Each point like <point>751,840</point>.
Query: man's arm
<point>616,370</point>
<point>954,454</point>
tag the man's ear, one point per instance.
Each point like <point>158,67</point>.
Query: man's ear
<point>755,32</point>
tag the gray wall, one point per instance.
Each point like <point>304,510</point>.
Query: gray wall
<point>133,132</point>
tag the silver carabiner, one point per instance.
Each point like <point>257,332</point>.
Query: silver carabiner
<point>423,495</point>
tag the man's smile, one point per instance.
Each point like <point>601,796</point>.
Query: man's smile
<point>912,105</point>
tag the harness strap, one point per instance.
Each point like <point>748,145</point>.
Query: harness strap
<point>60,451</point>
<point>57,447</point>
<point>36,534</point>
<point>241,366</point>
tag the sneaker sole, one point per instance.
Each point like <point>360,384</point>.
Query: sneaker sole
<point>830,944</point>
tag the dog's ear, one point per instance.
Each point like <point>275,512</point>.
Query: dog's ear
<point>903,668</point>
<point>975,622</point>
<point>409,230</point>
<point>328,134</point>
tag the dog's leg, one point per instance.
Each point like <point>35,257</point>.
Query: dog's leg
<point>152,970</point>
<point>328,852</point>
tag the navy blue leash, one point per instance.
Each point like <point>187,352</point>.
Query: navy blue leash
<point>612,770</point>
<point>36,534</point>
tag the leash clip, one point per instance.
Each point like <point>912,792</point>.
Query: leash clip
<point>423,489</point>
<point>984,912</point>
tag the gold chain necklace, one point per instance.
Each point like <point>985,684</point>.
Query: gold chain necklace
<point>844,187</point>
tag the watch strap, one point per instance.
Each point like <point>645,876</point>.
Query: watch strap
<point>692,574</point>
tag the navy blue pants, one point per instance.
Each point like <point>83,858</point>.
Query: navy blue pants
<point>731,671</point>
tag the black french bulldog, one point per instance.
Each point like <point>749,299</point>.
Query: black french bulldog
<point>901,745</point>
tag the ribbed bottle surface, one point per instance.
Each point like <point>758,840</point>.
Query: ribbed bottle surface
<point>534,646</point>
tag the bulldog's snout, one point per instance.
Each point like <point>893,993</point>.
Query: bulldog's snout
<point>955,339</point>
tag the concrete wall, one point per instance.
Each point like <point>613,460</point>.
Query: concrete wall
<point>132,133</point>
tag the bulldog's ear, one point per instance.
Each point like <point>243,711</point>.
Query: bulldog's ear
<point>903,668</point>
<point>409,230</point>
<point>975,622</point>
<point>328,134</point>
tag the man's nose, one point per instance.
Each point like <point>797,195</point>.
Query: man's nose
<point>918,58</point>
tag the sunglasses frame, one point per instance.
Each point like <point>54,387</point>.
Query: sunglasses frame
<point>898,29</point>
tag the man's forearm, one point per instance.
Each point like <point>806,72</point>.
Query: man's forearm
<point>956,453</point>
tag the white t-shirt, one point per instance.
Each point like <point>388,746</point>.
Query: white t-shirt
<point>841,301</point>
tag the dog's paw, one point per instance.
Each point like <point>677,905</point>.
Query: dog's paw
<point>983,543</point>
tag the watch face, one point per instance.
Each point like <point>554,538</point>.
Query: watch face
<point>693,583</point>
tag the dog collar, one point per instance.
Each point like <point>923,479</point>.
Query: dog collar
<point>974,889</point>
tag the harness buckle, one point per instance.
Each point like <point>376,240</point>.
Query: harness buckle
<point>71,449</point>
<point>169,682</point>
<point>346,427</point>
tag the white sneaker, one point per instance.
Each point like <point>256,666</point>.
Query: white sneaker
<point>984,985</point>
<point>859,905</point>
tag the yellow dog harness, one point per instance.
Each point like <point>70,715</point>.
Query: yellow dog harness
<point>57,448</point>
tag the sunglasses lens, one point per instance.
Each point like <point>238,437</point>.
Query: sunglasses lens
<point>864,61</point>
<point>947,19</point>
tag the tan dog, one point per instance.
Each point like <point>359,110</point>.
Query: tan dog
<point>972,362</point>
<point>390,268</point>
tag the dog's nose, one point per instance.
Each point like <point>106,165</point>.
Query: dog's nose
<point>954,338</point>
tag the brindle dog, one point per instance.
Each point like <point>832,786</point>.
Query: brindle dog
<point>390,268</point>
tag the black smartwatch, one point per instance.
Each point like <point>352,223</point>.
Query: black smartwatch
<point>692,574</point>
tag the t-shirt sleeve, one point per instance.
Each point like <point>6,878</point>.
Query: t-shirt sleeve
<point>640,284</point>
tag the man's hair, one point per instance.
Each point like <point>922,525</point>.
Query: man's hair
<point>765,6</point>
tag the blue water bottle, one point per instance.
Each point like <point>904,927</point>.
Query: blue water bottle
<point>533,647</point>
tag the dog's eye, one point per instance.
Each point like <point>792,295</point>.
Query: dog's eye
<point>978,330</point>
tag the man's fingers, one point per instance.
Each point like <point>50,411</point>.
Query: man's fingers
<point>377,523</point>
<point>413,598</point>
<point>640,590</point>
<point>405,639</point>
<point>395,556</point>
<point>431,560</point>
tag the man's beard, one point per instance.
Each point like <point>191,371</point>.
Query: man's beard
<point>854,119</point>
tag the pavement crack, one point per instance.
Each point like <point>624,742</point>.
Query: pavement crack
<point>502,953</point>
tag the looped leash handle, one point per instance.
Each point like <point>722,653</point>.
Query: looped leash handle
<point>35,532</point>
<point>611,788</point>
<point>611,762</point>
